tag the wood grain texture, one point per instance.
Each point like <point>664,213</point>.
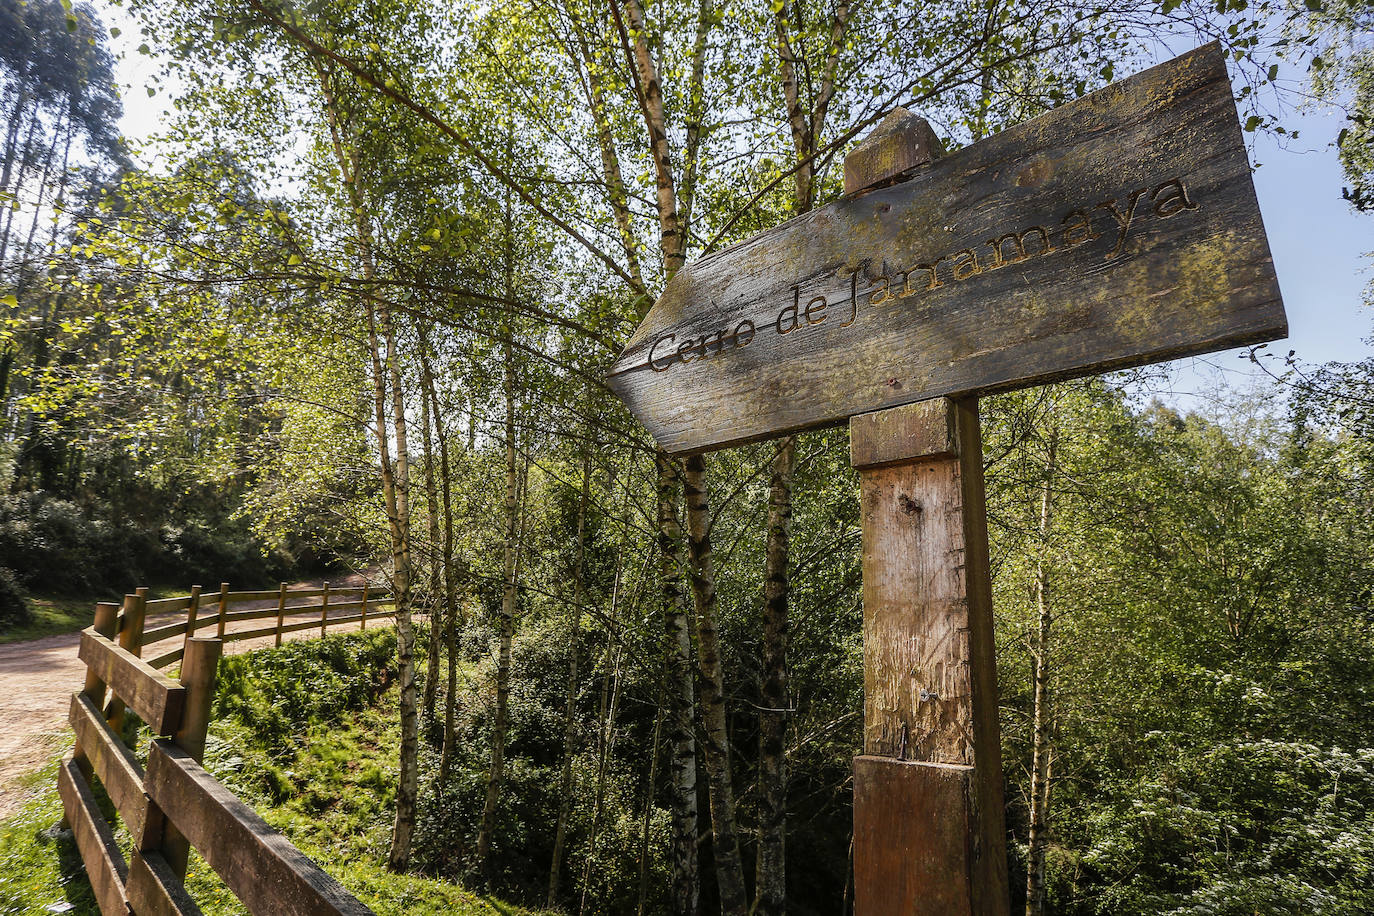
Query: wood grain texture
<point>163,605</point>
<point>94,840</point>
<point>113,763</point>
<point>930,679</point>
<point>260,866</point>
<point>902,143</point>
<point>156,698</point>
<point>167,659</point>
<point>155,890</point>
<point>925,429</point>
<point>912,854</point>
<point>918,690</point>
<point>1029,276</point>
<point>166,631</point>
<point>989,839</point>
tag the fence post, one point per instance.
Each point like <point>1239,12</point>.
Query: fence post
<point>223,609</point>
<point>106,619</point>
<point>364,621</point>
<point>324,610</point>
<point>281,612</point>
<point>192,611</point>
<point>130,638</point>
<point>198,672</point>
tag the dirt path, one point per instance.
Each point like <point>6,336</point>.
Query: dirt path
<point>37,679</point>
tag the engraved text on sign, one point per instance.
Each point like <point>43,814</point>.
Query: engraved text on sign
<point>1118,230</point>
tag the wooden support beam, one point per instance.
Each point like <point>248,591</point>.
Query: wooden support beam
<point>192,612</point>
<point>931,734</point>
<point>242,849</point>
<point>929,831</point>
<point>281,611</point>
<point>106,621</point>
<point>156,890</point>
<point>156,698</point>
<point>131,619</point>
<point>95,841</point>
<point>223,609</point>
<point>324,610</point>
<point>199,672</point>
<point>112,762</point>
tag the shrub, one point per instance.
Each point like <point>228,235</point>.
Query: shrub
<point>14,610</point>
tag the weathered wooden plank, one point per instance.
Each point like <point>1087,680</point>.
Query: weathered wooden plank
<point>155,697</point>
<point>155,890</point>
<point>917,680</point>
<point>301,625</point>
<point>165,605</point>
<point>99,852</point>
<point>242,597</point>
<point>1117,230</point>
<point>292,593</point>
<point>899,145</point>
<point>114,764</point>
<point>930,691</point>
<point>241,635</point>
<point>166,659</point>
<point>205,623</point>
<point>912,853</point>
<point>925,429</point>
<point>255,614</point>
<point>166,631</point>
<point>258,864</point>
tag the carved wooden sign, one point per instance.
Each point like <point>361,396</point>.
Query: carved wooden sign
<point>1118,230</point>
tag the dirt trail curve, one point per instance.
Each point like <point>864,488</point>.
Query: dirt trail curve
<point>37,679</point>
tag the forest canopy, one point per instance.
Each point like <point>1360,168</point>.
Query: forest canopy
<point>352,307</point>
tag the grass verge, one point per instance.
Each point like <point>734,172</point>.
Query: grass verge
<point>307,736</point>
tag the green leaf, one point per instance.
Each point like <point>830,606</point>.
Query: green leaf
<point>115,31</point>
<point>294,260</point>
<point>1252,122</point>
<point>11,300</point>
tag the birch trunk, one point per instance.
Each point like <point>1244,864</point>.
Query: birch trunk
<point>682,736</point>
<point>1040,716</point>
<point>734,900</point>
<point>770,873</point>
<point>449,572</point>
<point>386,373</point>
<point>497,774</point>
<point>570,710</point>
<point>432,519</point>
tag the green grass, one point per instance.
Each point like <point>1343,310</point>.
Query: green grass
<point>53,614</point>
<point>38,867</point>
<point>330,791</point>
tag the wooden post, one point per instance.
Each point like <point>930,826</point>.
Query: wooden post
<point>192,611</point>
<point>198,671</point>
<point>324,610</point>
<point>364,620</point>
<point>223,609</point>
<point>929,832</point>
<point>281,612</point>
<point>106,620</point>
<point>130,638</point>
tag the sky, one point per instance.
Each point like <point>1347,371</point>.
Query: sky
<point>1323,250</point>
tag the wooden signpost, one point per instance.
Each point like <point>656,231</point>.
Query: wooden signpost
<point>1118,230</point>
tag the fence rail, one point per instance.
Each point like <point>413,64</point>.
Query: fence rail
<point>175,804</point>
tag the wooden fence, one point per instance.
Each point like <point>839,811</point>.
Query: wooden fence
<point>174,805</point>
